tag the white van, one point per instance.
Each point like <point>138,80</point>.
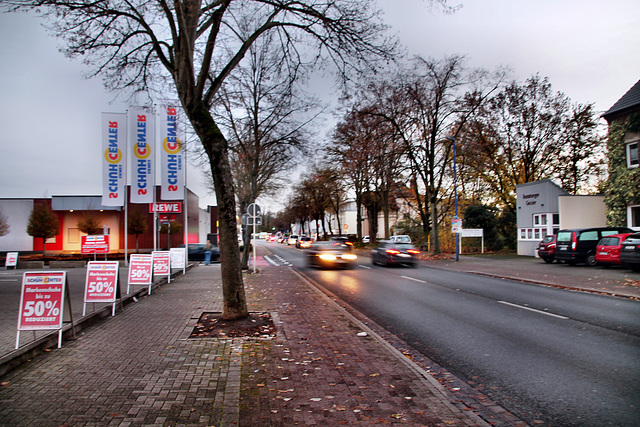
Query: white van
<point>400,238</point>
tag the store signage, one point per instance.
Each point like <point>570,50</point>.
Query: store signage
<point>97,244</point>
<point>174,207</point>
<point>102,283</point>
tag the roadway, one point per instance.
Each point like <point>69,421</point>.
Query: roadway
<point>545,354</point>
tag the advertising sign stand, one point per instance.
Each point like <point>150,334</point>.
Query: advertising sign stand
<point>179,258</point>
<point>45,303</point>
<point>254,218</point>
<point>140,271</point>
<point>102,284</point>
<point>162,264</point>
<point>11,260</point>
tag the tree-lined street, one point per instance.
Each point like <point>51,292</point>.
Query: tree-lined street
<point>547,354</point>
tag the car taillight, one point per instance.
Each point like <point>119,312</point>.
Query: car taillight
<point>573,242</point>
<point>348,243</point>
<point>392,251</point>
<point>413,251</point>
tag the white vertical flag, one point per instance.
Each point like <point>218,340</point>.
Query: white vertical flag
<point>141,135</point>
<point>114,143</point>
<point>171,155</point>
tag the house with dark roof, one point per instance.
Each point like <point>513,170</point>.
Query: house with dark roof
<point>622,196</point>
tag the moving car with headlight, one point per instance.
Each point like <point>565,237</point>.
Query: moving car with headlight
<point>395,253</point>
<point>330,255</point>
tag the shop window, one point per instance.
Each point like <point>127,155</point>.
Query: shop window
<point>632,155</point>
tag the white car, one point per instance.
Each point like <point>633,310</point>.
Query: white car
<point>400,238</point>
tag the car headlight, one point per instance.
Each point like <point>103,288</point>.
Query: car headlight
<point>350,257</point>
<point>327,257</point>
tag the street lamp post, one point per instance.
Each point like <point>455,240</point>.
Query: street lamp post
<point>455,192</point>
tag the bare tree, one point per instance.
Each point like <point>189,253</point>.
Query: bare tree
<point>4,224</point>
<point>425,105</point>
<point>193,46</point>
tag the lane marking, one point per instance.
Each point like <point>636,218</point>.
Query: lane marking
<point>534,310</point>
<point>415,280</point>
<point>365,266</point>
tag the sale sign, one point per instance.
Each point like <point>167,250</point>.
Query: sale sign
<point>102,281</point>
<point>42,300</point>
<point>178,258</point>
<point>97,244</point>
<point>161,263</point>
<point>140,270</point>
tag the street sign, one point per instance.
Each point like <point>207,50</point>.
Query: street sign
<point>254,210</point>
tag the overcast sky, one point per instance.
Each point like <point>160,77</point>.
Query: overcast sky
<point>50,115</point>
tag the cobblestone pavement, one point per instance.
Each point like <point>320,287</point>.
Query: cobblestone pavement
<point>140,367</point>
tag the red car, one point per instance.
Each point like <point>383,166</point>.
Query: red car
<point>608,249</point>
<point>547,248</point>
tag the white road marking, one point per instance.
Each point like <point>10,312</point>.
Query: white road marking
<point>534,310</point>
<point>411,278</point>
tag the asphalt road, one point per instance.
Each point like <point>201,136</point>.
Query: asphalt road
<point>545,354</point>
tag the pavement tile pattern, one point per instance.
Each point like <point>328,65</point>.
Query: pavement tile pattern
<point>139,368</point>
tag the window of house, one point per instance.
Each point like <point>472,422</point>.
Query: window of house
<point>632,155</point>
<point>634,216</point>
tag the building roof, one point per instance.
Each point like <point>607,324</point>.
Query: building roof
<point>629,100</point>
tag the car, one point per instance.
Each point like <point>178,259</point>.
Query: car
<point>609,248</point>
<point>342,239</point>
<point>401,238</point>
<point>196,252</point>
<point>304,242</point>
<point>388,253</point>
<point>330,255</point>
<point>579,245</point>
<point>292,239</point>
<point>366,240</point>
<point>547,248</point>
<point>630,252</point>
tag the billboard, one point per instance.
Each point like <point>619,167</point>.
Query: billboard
<point>141,136</point>
<point>114,139</point>
<point>172,159</point>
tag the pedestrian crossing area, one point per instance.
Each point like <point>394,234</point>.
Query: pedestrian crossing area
<point>270,261</point>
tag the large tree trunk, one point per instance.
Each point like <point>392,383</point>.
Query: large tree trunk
<point>215,145</point>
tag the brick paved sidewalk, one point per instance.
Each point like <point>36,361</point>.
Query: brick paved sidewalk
<point>139,368</point>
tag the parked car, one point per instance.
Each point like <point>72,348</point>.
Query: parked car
<point>330,255</point>
<point>579,245</point>
<point>196,252</point>
<point>388,253</point>
<point>609,248</point>
<point>547,248</point>
<point>292,239</point>
<point>630,252</point>
<point>365,239</point>
<point>402,238</point>
<point>304,242</point>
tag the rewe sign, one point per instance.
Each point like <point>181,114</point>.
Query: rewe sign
<point>175,207</point>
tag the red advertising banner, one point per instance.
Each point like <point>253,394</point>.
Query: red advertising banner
<point>173,207</point>
<point>140,270</point>
<point>102,281</point>
<point>161,263</point>
<point>98,244</point>
<point>42,300</point>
